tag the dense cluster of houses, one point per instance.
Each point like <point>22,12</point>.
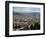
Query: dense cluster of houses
<point>25,22</point>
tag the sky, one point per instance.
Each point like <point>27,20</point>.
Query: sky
<point>25,9</point>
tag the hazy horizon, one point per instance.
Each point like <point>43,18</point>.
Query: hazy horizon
<point>26,10</point>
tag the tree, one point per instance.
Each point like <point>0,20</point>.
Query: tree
<point>36,26</point>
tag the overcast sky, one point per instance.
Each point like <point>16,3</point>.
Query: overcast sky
<point>25,9</point>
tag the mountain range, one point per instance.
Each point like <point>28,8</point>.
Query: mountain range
<point>28,14</point>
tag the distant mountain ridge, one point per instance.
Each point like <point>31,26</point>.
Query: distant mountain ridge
<point>28,14</point>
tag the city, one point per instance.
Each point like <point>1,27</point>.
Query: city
<point>26,22</point>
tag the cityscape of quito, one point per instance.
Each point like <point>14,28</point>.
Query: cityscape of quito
<point>26,21</point>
